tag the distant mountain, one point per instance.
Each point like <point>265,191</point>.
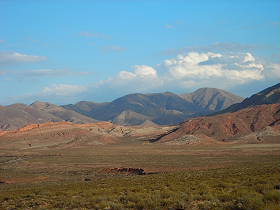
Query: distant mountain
<point>160,108</point>
<point>269,95</point>
<point>133,109</point>
<point>130,118</point>
<point>18,115</point>
<point>212,99</point>
<point>84,107</point>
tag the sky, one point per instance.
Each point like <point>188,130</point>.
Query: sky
<point>67,51</point>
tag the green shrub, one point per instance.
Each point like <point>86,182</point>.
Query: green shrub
<point>272,196</point>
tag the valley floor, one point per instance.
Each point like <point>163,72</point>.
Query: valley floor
<point>223,176</point>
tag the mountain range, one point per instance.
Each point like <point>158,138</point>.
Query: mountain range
<point>160,108</point>
<point>136,109</point>
<point>254,118</point>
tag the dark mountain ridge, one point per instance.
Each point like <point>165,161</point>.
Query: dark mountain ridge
<point>270,95</point>
<point>133,109</point>
<point>257,114</point>
<point>161,108</point>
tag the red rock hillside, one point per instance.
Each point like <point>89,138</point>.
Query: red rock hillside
<point>230,125</point>
<point>67,134</point>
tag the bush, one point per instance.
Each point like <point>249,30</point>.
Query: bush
<point>272,196</point>
<point>249,202</point>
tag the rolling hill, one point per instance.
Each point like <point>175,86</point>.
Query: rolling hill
<point>52,135</point>
<point>18,115</point>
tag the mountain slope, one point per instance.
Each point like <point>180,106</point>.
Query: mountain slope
<point>62,113</point>
<point>161,108</point>
<point>269,95</point>
<point>17,115</point>
<point>84,107</point>
<point>230,125</point>
<point>212,99</point>
<point>70,135</point>
<point>250,116</point>
<point>130,118</point>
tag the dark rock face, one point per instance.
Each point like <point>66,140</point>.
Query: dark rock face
<point>269,95</point>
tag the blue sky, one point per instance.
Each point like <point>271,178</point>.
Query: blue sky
<point>66,51</point>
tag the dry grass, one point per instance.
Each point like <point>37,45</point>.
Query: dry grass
<point>185,177</point>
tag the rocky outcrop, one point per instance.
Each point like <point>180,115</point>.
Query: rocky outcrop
<point>126,171</point>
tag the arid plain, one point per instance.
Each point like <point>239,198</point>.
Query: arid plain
<point>69,166</point>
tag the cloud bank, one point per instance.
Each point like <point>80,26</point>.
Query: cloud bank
<point>193,69</point>
<point>183,73</point>
<point>62,90</point>
<point>15,57</point>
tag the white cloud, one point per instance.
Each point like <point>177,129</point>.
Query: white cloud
<point>273,71</point>
<point>218,47</point>
<point>189,66</point>
<point>248,58</point>
<point>192,70</point>
<point>193,58</point>
<point>126,75</point>
<point>144,71</point>
<point>183,73</point>
<point>199,67</point>
<point>141,78</point>
<point>44,72</point>
<point>50,73</point>
<point>15,57</point>
<point>140,72</point>
<point>55,93</point>
<point>63,90</point>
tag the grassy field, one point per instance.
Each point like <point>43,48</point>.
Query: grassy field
<point>233,177</point>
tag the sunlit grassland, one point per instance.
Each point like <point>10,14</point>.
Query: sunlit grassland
<point>236,177</point>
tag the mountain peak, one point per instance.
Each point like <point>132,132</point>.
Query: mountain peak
<point>212,99</point>
<point>40,103</point>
